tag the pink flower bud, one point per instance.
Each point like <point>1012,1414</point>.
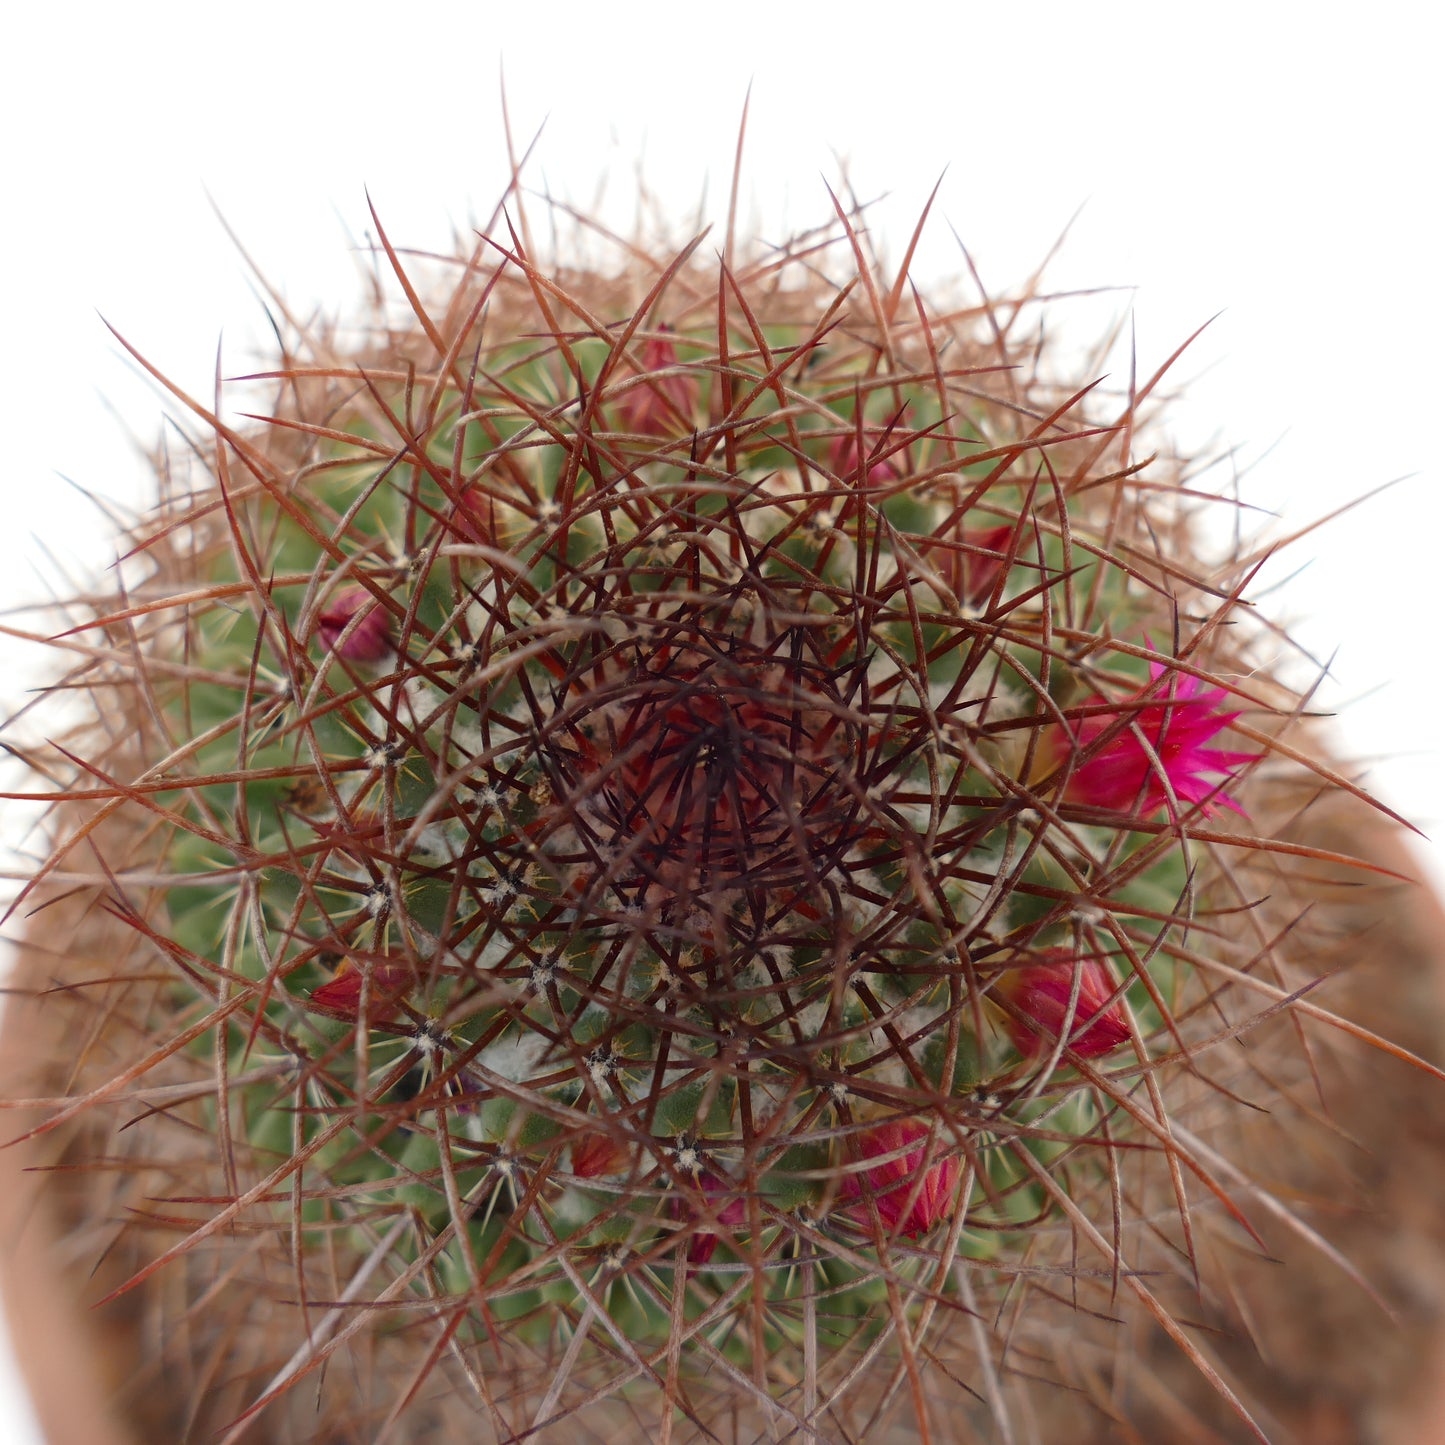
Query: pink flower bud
<point>341,997</point>
<point>1116,770</point>
<point>1040,993</point>
<point>369,640</point>
<point>908,1201</point>
<point>663,405</point>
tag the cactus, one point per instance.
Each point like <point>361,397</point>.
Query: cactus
<point>679,847</point>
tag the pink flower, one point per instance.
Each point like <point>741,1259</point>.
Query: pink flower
<point>341,997</point>
<point>663,404</point>
<point>907,1203</point>
<point>369,640</point>
<point>1040,993</point>
<point>1178,723</point>
<point>699,1201</point>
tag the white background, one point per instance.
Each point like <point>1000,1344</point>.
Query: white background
<point>1276,164</point>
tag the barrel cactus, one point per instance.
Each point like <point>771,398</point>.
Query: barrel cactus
<point>687,846</point>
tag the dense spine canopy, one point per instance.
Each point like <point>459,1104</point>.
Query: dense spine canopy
<point>672,847</point>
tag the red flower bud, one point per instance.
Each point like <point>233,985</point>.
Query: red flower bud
<point>843,457</point>
<point>1040,993</point>
<point>341,997</point>
<point>977,573</point>
<point>596,1153</point>
<point>700,1201</point>
<point>971,560</point>
<point>369,640</point>
<point>909,1199</point>
<point>474,519</point>
<point>663,404</point>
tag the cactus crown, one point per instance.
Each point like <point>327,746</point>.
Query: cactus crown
<point>683,844</point>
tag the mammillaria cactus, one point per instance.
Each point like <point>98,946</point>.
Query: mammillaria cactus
<point>678,846</point>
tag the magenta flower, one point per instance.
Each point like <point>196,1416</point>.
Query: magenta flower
<point>907,1203</point>
<point>664,403</point>
<point>1040,994</point>
<point>369,640</point>
<point>1178,723</point>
